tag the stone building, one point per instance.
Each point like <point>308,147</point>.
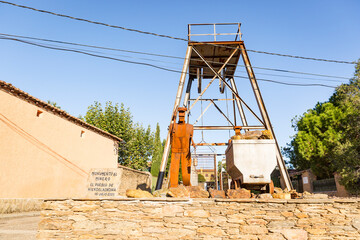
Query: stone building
<point>44,151</point>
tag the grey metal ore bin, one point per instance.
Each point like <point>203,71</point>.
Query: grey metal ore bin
<point>251,161</point>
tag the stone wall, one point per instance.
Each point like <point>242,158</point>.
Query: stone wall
<point>201,219</point>
<point>134,179</point>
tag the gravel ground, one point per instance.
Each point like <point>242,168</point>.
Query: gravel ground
<point>16,226</point>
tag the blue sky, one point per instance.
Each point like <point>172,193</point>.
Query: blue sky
<point>323,29</point>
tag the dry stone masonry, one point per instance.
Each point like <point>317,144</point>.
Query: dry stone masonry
<point>171,218</point>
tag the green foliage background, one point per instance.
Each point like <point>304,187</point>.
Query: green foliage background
<point>138,146</point>
<point>328,136</point>
<point>201,178</point>
<point>157,153</point>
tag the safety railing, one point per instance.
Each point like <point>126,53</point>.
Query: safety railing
<point>206,30</point>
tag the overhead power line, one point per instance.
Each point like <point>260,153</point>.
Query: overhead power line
<point>87,53</point>
<point>167,36</point>
<point>151,65</point>
<point>181,58</point>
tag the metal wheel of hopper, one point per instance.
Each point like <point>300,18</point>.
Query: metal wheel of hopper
<point>235,184</point>
<point>270,187</point>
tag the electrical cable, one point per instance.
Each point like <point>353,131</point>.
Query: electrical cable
<point>150,65</point>
<point>90,54</point>
<point>167,36</point>
<point>176,57</point>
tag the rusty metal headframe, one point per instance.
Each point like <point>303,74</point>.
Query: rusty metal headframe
<point>218,60</point>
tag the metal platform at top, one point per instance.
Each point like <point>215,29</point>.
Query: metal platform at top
<point>216,51</point>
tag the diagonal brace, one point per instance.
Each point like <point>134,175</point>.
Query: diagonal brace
<point>216,106</point>
<point>197,120</point>
<point>222,67</point>
<point>233,91</point>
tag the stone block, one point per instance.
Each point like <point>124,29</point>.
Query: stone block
<point>293,234</point>
<point>316,231</point>
<point>256,222</point>
<point>245,237</point>
<point>178,192</point>
<point>55,224</point>
<point>197,213</point>
<point>282,195</point>
<point>295,194</point>
<point>281,224</point>
<point>265,196</point>
<point>138,193</point>
<point>109,204</point>
<point>161,192</point>
<point>233,231</point>
<point>301,215</point>
<point>77,218</point>
<point>253,134</point>
<point>210,231</point>
<point>91,236</point>
<point>197,192</point>
<point>253,229</point>
<point>238,193</point>
<point>266,134</point>
<point>155,230</point>
<point>217,193</point>
<point>218,219</point>
<point>315,196</point>
<point>172,209</point>
<point>356,223</point>
<point>287,214</point>
<point>85,208</point>
<point>272,236</point>
<point>88,225</point>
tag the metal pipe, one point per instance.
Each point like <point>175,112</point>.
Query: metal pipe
<point>187,94</point>
<point>233,103</point>
<point>215,99</point>
<point>226,127</point>
<point>281,163</point>
<point>215,171</point>
<point>238,103</point>
<point>211,144</point>
<point>207,155</point>
<point>221,177</point>
<point>199,78</point>
<point>176,105</point>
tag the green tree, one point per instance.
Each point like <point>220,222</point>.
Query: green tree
<point>157,154</point>
<point>319,131</point>
<point>139,148</point>
<point>117,120</point>
<point>328,136</point>
<point>54,104</point>
<point>347,98</point>
<point>201,178</point>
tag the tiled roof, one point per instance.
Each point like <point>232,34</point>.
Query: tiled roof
<point>7,87</point>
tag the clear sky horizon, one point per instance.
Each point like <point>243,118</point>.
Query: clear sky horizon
<point>321,29</point>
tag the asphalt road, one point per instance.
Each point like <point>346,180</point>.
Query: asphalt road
<point>18,226</point>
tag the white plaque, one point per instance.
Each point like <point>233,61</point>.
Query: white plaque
<point>305,180</point>
<point>103,182</point>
